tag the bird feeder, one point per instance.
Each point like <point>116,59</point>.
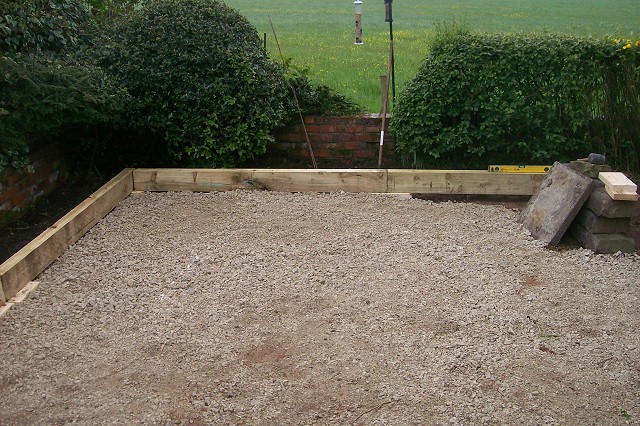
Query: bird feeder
<point>358,5</point>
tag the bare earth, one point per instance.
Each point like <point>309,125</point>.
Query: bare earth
<point>271,308</point>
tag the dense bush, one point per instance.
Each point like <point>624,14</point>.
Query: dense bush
<point>45,94</point>
<point>503,98</point>
<point>44,100</point>
<point>200,85</point>
<point>198,77</point>
<point>42,27</point>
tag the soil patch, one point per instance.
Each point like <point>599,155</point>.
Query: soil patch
<point>42,214</point>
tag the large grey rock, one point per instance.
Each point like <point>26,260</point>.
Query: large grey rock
<point>602,205</point>
<point>588,169</point>
<point>553,207</point>
<point>602,243</point>
<point>602,225</point>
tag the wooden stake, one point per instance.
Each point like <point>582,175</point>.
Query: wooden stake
<point>19,297</point>
<point>383,84</point>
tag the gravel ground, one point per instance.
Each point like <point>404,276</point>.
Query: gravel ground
<point>272,308</point>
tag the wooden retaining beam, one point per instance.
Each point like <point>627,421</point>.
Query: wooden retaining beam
<point>284,180</point>
<point>33,258</point>
<point>477,182</point>
<point>464,182</point>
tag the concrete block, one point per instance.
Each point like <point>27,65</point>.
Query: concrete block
<point>588,169</point>
<point>602,243</point>
<point>602,205</point>
<point>602,225</point>
<point>555,205</point>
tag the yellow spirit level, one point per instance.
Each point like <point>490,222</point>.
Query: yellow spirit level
<point>519,169</point>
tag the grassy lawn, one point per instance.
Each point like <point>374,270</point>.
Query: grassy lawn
<point>320,34</point>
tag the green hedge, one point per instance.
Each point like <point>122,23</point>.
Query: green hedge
<point>511,98</point>
<point>617,120</point>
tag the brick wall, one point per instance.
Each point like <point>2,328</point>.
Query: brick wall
<point>18,188</point>
<point>338,142</point>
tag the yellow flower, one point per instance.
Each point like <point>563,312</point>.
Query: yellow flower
<point>637,43</point>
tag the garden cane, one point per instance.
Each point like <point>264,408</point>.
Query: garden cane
<point>295,98</point>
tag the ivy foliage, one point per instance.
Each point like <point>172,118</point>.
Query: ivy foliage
<point>198,77</point>
<point>44,91</point>
<point>42,27</point>
<point>502,98</point>
<point>43,100</point>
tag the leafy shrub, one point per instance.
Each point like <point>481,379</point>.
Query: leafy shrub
<point>42,27</point>
<point>104,10</point>
<point>44,92</point>
<point>502,98</point>
<point>40,100</point>
<point>198,77</point>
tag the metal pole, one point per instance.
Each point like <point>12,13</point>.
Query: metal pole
<point>393,64</point>
<point>389,19</point>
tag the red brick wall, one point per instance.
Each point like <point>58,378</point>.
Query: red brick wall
<point>18,188</point>
<point>338,142</point>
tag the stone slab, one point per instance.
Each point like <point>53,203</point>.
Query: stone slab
<point>555,205</point>
<point>602,205</point>
<point>588,169</point>
<point>602,225</point>
<point>602,243</point>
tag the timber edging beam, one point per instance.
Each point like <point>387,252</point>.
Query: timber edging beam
<point>478,182</point>
<point>463,182</point>
<point>284,180</point>
<point>36,256</point>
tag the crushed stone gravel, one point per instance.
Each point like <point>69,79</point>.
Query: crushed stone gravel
<point>252,307</point>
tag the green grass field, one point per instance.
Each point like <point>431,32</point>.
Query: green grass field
<point>320,34</point>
